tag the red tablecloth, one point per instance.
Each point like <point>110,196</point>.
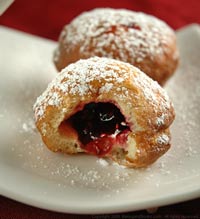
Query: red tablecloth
<point>46,18</point>
<point>14,210</point>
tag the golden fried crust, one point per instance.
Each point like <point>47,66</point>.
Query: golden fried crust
<point>144,104</point>
<point>139,39</point>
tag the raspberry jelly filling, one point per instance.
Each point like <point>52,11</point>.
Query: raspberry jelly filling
<point>113,28</point>
<point>99,126</point>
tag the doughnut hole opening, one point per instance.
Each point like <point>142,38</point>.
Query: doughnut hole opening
<point>99,126</point>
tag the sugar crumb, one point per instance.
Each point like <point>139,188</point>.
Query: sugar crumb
<point>102,162</point>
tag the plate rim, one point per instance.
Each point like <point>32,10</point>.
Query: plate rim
<point>191,193</point>
<point>116,208</point>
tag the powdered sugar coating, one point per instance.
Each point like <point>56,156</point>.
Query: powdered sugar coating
<point>163,139</point>
<point>161,120</point>
<point>132,36</point>
<point>75,80</point>
<point>81,78</point>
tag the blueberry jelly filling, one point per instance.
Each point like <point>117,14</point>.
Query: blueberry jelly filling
<point>99,126</point>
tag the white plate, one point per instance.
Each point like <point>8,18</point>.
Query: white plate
<point>32,174</point>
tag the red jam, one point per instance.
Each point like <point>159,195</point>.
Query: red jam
<point>113,28</point>
<point>134,26</point>
<point>99,127</point>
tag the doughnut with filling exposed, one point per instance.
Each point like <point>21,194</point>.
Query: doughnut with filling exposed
<point>107,108</point>
<point>137,38</point>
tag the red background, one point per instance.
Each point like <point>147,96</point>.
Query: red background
<point>46,18</point>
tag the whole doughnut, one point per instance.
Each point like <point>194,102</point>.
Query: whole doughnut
<point>107,108</point>
<point>137,38</point>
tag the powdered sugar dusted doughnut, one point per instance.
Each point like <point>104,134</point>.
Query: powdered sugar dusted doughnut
<point>136,38</point>
<point>106,108</point>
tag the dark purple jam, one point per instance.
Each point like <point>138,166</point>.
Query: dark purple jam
<point>96,123</point>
